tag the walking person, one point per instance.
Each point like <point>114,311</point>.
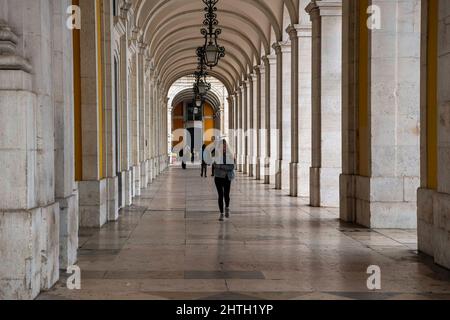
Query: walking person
<point>204,164</point>
<point>224,175</point>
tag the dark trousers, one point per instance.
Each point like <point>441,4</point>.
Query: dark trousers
<point>204,169</point>
<point>223,186</point>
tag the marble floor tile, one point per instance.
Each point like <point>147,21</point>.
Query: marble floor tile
<point>170,245</point>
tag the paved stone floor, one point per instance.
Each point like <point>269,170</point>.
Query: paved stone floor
<point>170,245</point>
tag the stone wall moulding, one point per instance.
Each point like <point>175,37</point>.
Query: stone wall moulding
<point>9,58</point>
<point>324,8</point>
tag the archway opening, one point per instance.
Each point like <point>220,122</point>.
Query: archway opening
<point>189,126</point>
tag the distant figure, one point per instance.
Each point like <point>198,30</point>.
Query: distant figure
<point>193,155</point>
<point>213,155</point>
<point>224,175</point>
<point>183,164</point>
<point>204,164</point>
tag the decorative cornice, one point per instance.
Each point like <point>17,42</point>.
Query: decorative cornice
<point>9,58</point>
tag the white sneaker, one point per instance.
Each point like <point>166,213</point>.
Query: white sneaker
<point>227,213</point>
<point>221,217</point>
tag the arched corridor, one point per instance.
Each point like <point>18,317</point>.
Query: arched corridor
<point>168,245</point>
<point>336,111</point>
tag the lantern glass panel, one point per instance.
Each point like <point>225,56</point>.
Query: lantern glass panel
<point>211,55</point>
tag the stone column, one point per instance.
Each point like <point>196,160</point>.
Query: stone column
<point>236,124</point>
<point>305,108</point>
<point>147,102</point>
<point>66,190</point>
<point>231,122</point>
<point>150,119</point>
<point>240,131</point>
<point>441,238</point>
<point>268,119</point>
<point>29,215</point>
<point>260,118</point>
<point>109,127</point>
<point>251,127</point>
<point>143,116</point>
<point>385,95</point>
<point>286,115</point>
<point>125,175</point>
<point>326,17</point>
<point>293,166</point>
<point>134,114</point>
<point>245,127</point>
<point>433,197</point>
<point>93,195</point>
<point>279,116</point>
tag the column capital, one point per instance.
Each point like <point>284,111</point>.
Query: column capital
<point>258,69</point>
<point>277,47</point>
<point>319,8</point>
<point>268,60</point>
<point>126,6</point>
<point>299,31</point>
<point>141,47</point>
<point>292,31</point>
<point>250,78</point>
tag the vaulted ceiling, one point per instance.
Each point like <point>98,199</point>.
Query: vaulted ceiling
<point>171,28</point>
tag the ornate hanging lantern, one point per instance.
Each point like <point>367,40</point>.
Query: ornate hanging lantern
<point>211,51</point>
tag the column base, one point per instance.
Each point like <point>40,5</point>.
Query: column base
<point>144,174</point>
<point>245,166</point>
<point>29,242</point>
<point>267,172</point>
<point>136,181</point>
<point>150,171</point>
<point>379,202</point>
<point>251,170</point>
<point>278,174</point>
<point>158,166</point>
<point>93,198</point>
<point>285,175</point>
<point>324,187</point>
<point>128,188</point>
<point>433,228</point>
<point>347,201</point>
<point>240,164</point>
<point>112,201</point>
<point>303,180</point>
<point>293,179</point>
<point>258,169</point>
<point>68,231</point>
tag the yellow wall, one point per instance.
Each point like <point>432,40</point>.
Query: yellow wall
<point>363,135</point>
<point>77,102</point>
<point>98,8</point>
<point>208,123</point>
<point>177,120</point>
<point>178,111</point>
<point>432,108</point>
